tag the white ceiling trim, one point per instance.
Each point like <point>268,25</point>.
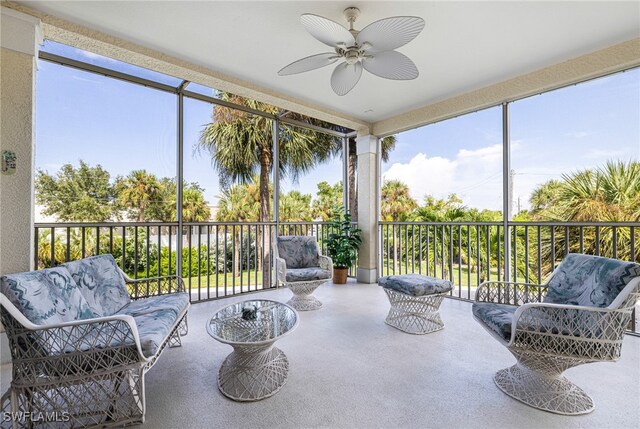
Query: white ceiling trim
<point>81,37</point>
<point>615,58</point>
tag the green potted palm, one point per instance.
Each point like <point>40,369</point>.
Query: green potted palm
<point>342,244</point>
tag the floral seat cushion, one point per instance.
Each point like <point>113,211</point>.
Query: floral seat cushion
<point>589,280</point>
<point>47,296</point>
<point>415,284</point>
<point>153,328</point>
<point>298,251</point>
<point>102,271</point>
<point>307,274</point>
<point>176,302</point>
<point>498,317</point>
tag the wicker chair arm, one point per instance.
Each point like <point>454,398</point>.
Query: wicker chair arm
<point>326,264</point>
<point>511,293</point>
<point>281,270</point>
<point>570,330</point>
<point>151,286</point>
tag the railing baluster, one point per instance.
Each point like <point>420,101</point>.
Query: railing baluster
<point>224,256</point>
<point>614,233</point>
<point>199,244</point>
<point>459,262</point>
<point>553,248</point>
<point>526,254</point>
<point>170,257</point>
<point>124,248</point>
<point>539,232</point>
<point>52,248</point>
<point>68,250</point>
<point>36,244</point>
<point>135,252</point>
<point>111,239</point>
<point>83,238</point>
<point>189,260</point>
<point>97,249</point>
<point>148,231</point>
<point>217,269</point>
<point>478,256</point>
<point>499,252</point>
<point>468,261</point>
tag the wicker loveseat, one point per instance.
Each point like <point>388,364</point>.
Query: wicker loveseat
<point>82,336</point>
<point>578,316</point>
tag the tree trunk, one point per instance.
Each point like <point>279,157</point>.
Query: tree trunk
<point>265,215</point>
<point>352,159</point>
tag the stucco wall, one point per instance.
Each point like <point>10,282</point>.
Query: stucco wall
<point>16,134</point>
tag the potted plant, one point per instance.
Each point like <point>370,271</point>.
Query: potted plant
<point>343,244</point>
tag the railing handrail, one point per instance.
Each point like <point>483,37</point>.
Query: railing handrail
<point>156,223</point>
<point>513,223</point>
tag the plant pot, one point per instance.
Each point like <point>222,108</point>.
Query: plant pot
<point>340,275</point>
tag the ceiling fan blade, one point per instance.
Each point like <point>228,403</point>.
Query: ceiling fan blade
<point>390,33</point>
<point>327,31</point>
<point>345,76</point>
<point>309,63</point>
<point>391,65</point>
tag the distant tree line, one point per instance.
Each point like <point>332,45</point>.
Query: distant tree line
<point>87,194</point>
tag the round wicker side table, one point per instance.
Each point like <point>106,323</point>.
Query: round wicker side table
<point>255,369</point>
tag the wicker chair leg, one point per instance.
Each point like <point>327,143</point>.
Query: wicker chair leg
<point>537,381</point>
<point>414,314</point>
<point>183,328</point>
<point>303,299</point>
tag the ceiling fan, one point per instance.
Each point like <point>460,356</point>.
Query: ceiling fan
<point>371,48</point>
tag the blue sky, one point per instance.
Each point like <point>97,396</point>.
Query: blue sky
<point>125,127</point>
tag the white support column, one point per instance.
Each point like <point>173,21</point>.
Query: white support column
<point>367,150</point>
<point>20,39</point>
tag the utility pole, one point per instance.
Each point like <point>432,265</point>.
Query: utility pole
<point>512,173</point>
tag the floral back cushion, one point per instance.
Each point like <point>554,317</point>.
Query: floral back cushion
<point>47,296</point>
<point>589,280</point>
<point>100,283</point>
<point>299,251</point>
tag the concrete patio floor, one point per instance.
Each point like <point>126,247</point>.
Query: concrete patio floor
<point>348,369</point>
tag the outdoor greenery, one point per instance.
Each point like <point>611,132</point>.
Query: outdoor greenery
<point>87,194</point>
<point>344,242</point>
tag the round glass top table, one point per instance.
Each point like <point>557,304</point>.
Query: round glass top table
<point>255,369</point>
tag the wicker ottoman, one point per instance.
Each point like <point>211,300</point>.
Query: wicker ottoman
<point>415,300</point>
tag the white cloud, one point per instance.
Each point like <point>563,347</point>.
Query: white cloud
<point>474,175</point>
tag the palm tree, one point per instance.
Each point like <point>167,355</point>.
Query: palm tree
<point>238,203</point>
<point>194,206</point>
<point>138,191</point>
<point>396,205</point>
<point>295,207</point>
<point>241,146</point>
<point>610,193</point>
<point>545,196</point>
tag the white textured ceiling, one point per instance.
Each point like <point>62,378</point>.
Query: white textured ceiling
<point>465,45</point>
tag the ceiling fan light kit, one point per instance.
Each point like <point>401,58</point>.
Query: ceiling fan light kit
<point>371,49</point>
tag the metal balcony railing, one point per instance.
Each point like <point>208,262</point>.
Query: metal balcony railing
<point>468,253</point>
<point>218,258</point>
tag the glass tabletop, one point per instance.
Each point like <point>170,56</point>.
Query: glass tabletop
<point>272,320</point>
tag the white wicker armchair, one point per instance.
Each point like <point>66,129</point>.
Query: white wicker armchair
<point>76,365</point>
<point>301,268</point>
<point>579,316</point>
